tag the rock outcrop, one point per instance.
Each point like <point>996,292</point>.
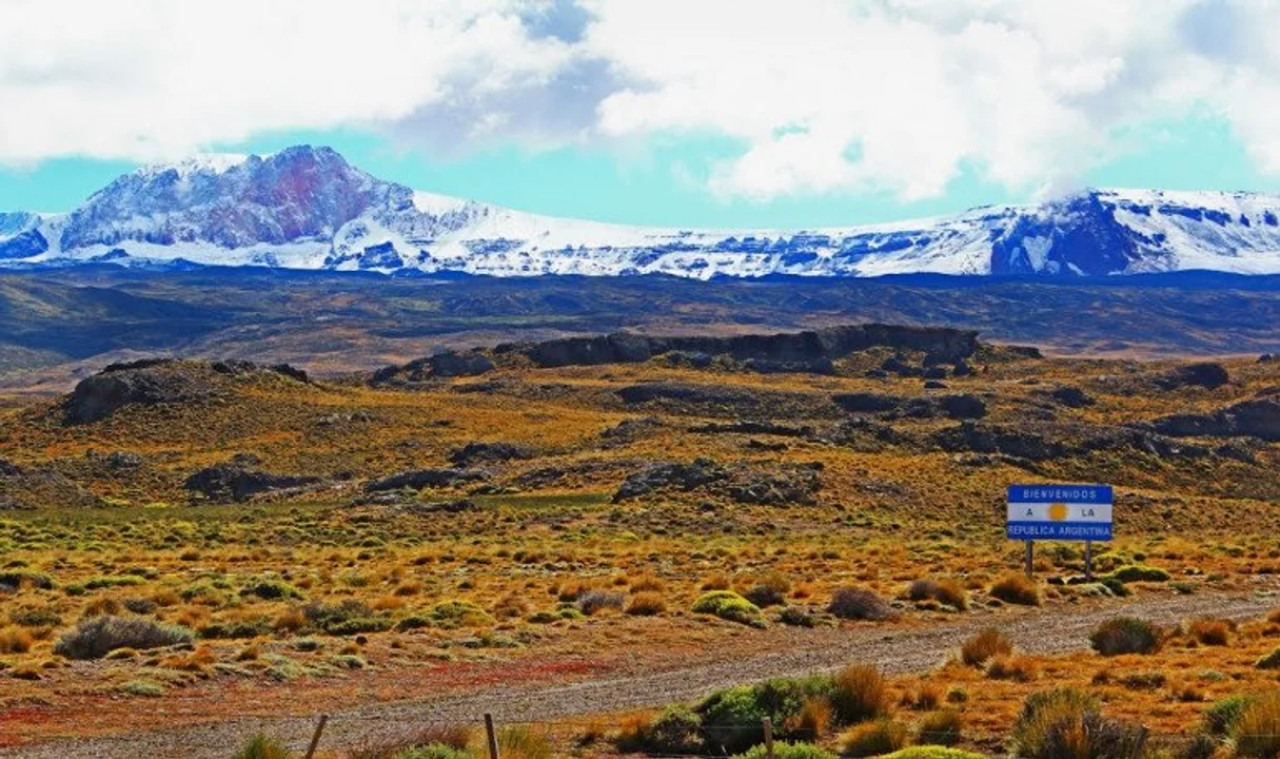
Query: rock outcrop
<point>240,479</point>
<point>1259,418</point>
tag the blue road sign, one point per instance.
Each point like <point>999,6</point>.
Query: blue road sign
<point>1059,512</point>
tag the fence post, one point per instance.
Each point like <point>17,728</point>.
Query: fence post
<point>1141,743</point>
<point>768,737</point>
<point>315,737</point>
<point>493,736</point>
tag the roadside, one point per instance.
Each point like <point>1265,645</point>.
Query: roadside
<point>1054,631</point>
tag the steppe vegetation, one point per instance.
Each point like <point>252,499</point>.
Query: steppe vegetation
<point>313,544</point>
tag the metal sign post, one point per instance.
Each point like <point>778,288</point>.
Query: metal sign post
<point>1060,512</point>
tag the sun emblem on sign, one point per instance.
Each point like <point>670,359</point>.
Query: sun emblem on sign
<point>1058,511</point>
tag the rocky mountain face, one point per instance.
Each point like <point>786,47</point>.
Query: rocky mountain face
<point>307,208</point>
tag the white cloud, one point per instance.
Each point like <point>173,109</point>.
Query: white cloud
<point>825,95</point>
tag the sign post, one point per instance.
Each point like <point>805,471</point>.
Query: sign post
<point>1060,512</point>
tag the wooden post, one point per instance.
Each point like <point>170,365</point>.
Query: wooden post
<point>315,737</point>
<point>1031,555</point>
<point>493,736</point>
<point>1141,742</point>
<point>1088,560</point>
<point>768,737</point>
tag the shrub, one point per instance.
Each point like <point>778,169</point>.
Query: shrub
<point>1139,573</point>
<point>25,578</point>
<point>1221,717</point>
<point>35,618</point>
<point>812,721</point>
<point>144,688</point>
<point>1125,635</point>
<point>728,605</point>
<point>940,728</point>
<point>262,747</point>
<point>931,752</point>
<point>1065,722</point>
<point>873,739</point>
<point>1018,668</point>
<point>731,718</point>
<point>236,629</point>
<point>647,604</point>
<point>946,592</point>
<point>859,603</point>
<point>796,617</point>
<point>1270,661</point>
<point>767,594</point>
<point>270,590</point>
<point>15,640</point>
<point>94,638</point>
<point>677,730</point>
<point>434,751</point>
<point>451,614</point>
<point>593,601</point>
<point>1256,732</point>
<point>784,750</point>
<point>1210,632</point>
<point>432,742</point>
<point>521,742</point>
<point>985,645</point>
<point>858,694</point>
<point>1016,589</point>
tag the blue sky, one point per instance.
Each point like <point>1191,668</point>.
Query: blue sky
<point>827,112</point>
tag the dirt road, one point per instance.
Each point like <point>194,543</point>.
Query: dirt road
<point>1058,630</point>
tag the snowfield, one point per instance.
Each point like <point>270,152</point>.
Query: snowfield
<point>307,208</point>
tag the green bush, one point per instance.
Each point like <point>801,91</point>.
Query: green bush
<point>1125,635</point>
<point>242,628</point>
<point>726,604</point>
<point>1219,718</point>
<point>732,717</point>
<point>931,752</point>
<point>94,638</point>
<point>873,739</point>
<point>262,747</point>
<point>784,750</point>
<point>1270,661</point>
<point>270,590</point>
<point>1139,573</point>
<point>453,614</point>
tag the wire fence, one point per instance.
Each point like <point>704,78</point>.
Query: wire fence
<point>577,736</point>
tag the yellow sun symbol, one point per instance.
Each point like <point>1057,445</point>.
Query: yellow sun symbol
<point>1058,511</point>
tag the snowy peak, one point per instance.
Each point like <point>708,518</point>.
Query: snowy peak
<point>308,208</point>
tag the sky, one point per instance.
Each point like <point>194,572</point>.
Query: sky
<point>705,113</point>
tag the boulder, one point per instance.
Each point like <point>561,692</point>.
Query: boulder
<point>681,476</point>
<point>1206,374</point>
<point>1259,418</point>
<point>418,479</point>
<point>238,481</point>
<point>1072,397</point>
<point>143,383</point>
<point>484,453</point>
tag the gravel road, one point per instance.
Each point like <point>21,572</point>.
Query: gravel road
<point>1054,631</point>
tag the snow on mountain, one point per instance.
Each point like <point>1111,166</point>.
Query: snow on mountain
<point>307,208</point>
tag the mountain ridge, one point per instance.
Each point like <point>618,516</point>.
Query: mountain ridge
<point>308,208</point>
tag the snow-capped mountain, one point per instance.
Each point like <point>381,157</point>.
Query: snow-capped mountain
<point>307,208</point>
